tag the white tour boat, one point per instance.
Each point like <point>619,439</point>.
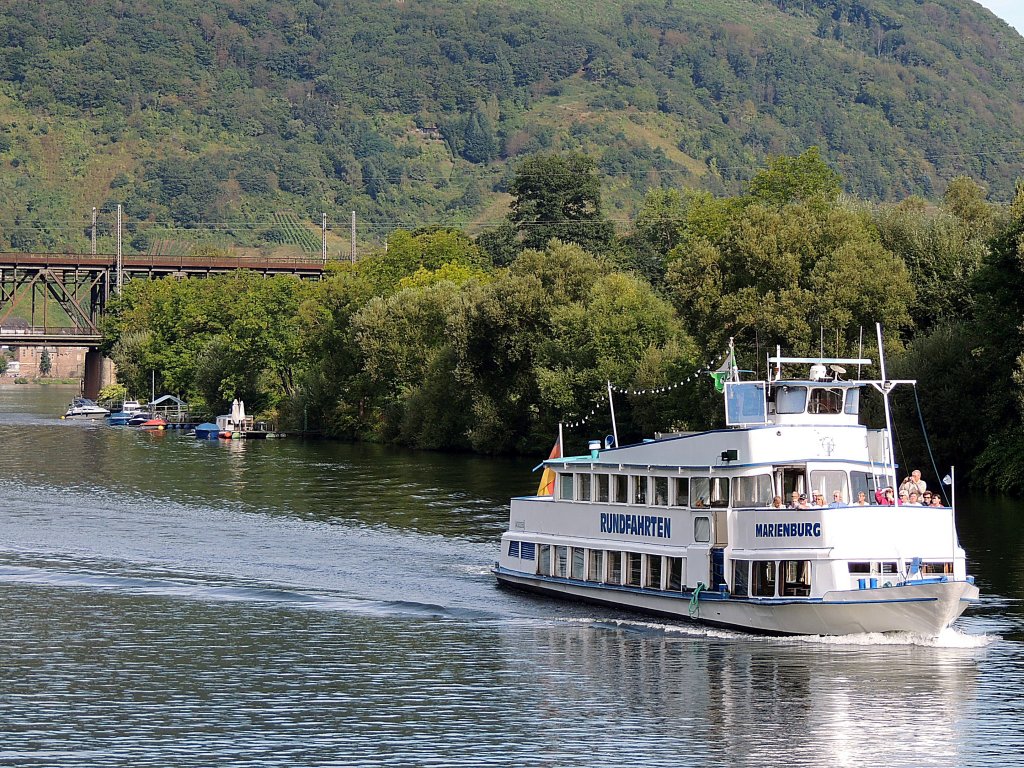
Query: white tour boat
<point>83,408</point>
<point>684,525</point>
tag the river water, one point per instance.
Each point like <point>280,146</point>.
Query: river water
<point>169,602</point>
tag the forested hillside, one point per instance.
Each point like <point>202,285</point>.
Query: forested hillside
<point>256,115</point>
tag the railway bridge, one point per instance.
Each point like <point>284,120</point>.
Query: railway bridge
<point>33,285</point>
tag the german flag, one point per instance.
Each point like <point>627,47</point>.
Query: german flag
<point>547,480</point>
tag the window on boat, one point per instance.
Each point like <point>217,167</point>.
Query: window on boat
<point>513,548</point>
<point>740,577</point>
<point>682,491</point>
<point>826,400</point>
<point>633,561</point>
<point>752,491</point>
<point>762,576</point>
<point>614,559</point>
<point>709,492</point>
<point>796,578</point>
<point>620,489</point>
<point>863,481</point>
<point>602,488</point>
<point>857,567</point>
<point>577,563</point>
<point>852,401</point>
<point>584,487</point>
<point>675,574</point>
<point>661,491</point>
<point>652,579</point>
<point>790,399</point>
<point>544,561</point>
<point>943,568</point>
<point>565,483</point>
<point>745,403</point>
<point>828,481</point>
<point>595,565</point>
<point>527,550</point>
<point>702,529</point>
<point>561,556</point>
<point>639,483</point>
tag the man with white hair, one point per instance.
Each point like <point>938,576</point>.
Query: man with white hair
<point>914,483</point>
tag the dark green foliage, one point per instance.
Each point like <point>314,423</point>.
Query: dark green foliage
<point>559,197</point>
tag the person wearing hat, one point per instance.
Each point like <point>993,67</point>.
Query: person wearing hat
<point>819,500</point>
<point>904,497</point>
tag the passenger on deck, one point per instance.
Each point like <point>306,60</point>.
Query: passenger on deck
<point>837,499</point>
<point>914,483</point>
<point>904,497</point>
<point>794,500</point>
<point>914,500</point>
<point>777,503</point>
<point>936,501</point>
<point>862,499</point>
<point>885,497</point>
<point>819,500</point>
<point>926,499</point>
<point>803,504</point>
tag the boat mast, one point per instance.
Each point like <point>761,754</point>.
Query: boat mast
<point>611,405</point>
<point>886,385</point>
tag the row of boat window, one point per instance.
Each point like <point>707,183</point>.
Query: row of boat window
<point>750,578</point>
<point>699,492</point>
<point>758,578</point>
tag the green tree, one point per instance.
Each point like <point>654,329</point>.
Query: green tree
<point>45,363</point>
<point>559,197</point>
<point>796,179</point>
<point>408,252</point>
<point>780,275</point>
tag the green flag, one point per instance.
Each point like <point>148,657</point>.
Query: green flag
<point>723,373</point>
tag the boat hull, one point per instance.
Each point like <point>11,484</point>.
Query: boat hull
<point>84,416</point>
<point>923,609</point>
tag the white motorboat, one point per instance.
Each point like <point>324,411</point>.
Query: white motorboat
<point>690,525</point>
<point>129,410</point>
<point>83,408</point>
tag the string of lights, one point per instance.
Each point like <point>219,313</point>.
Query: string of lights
<point>711,366</point>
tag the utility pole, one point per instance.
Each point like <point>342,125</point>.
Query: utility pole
<point>323,237</point>
<point>352,246</point>
<point>94,230</point>
<point>120,261</point>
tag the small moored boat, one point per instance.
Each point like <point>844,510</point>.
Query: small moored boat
<point>83,408</point>
<point>207,431</point>
<point>129,409</point>
<point>691,525</point>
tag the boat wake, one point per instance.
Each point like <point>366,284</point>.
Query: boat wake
<point>948,638</point>
<point>178,586</point>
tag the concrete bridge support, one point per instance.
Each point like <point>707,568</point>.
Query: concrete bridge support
<point>99,372</point>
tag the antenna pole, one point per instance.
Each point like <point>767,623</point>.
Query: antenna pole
<point>860,350</point>
<point>888,414</point>
<point>611,405</point>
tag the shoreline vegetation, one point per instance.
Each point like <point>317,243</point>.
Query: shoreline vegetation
<point>446,342</point>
